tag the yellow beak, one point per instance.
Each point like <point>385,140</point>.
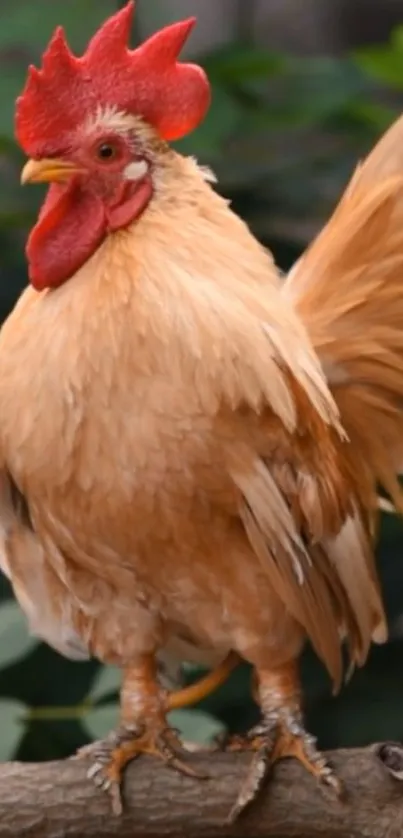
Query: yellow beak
<point>48,170</point>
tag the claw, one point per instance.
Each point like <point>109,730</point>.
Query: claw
<point>94,770</point>
<point>105,786</point>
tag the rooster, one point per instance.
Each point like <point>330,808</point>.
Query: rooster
<point>190,447</point>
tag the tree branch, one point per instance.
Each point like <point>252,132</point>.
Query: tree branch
<point>54,799</point>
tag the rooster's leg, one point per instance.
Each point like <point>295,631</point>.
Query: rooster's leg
<point>143,730</point>
<point>280,734</point>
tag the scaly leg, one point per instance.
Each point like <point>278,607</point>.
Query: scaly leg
<point>280,734</point>
<point>143,728</point>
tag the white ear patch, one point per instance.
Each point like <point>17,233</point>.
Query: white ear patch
<point>136,170</point>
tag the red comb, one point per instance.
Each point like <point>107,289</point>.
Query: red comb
<point>147,81</point>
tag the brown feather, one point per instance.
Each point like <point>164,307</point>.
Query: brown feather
<point>187,476</point>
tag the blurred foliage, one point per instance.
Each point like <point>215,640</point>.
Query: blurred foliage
<point>283,136</point>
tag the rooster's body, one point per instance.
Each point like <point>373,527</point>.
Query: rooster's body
<point>175,471</point>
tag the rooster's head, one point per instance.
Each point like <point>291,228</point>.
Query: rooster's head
<point>95,127</point>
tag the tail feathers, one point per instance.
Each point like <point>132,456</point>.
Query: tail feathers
<point>385,161</point>
<point>348,290</point>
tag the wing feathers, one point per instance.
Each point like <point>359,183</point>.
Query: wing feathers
<point>301,522</point>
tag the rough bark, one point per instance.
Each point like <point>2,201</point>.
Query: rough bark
<point>54,799</point>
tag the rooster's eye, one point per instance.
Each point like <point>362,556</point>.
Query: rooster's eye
<point>106,151</point>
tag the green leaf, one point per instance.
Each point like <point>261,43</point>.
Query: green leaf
<point>384,63</point>
<point>11,727</point>
<point>396,39</point>
<point>196,726</point>
<point>318,88</point>
<point>101,720</point>
<point>107,680</point>
<point>15,641</point>
<point>382,66</point>
<point>372,115</point>
<point>238,63</point>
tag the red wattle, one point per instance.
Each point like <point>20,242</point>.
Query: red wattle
<point>71,225</point>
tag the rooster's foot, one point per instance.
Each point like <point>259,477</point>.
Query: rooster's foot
<point>109,757</point>
<point>280,735</point>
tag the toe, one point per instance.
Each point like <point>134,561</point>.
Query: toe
<point>110,757</point>
<point>115,795</point>
<point>264,744</point>
<point>302,746</point>
<point>251,787</point>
